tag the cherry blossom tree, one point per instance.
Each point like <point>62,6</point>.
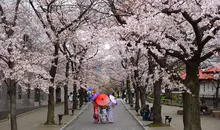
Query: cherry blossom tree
<point>54,16</point>
<point>22,64</point>
<point>186,30</point>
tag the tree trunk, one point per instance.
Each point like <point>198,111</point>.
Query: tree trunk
<point>143,96</point>
<point>66,108</point>
<point>58,94</point>
<point>53,70</point>
<point>130,100</point>
<point>137,98</point>
<point>191,104</point>
<point>50,112</point>
<point>81,95</point>
<point>157,102</point>
<point>75,102</point>
<point>85,96</point>
<point>12,96</point>
<point>216,94</point>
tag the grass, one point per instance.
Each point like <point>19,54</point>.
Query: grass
<point>158,125</point>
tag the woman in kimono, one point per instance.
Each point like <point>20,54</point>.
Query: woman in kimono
<point>96,112</point>
<point>110,112</point>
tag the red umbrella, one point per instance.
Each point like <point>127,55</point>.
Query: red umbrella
<point>102,100</point>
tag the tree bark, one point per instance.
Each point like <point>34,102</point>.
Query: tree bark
<point>12,96</point>
<point>58,94</point>
<point>75,102</point>
<point>85,96</point>
<point>216,94</point>
<point>130,100</point>
<point>191,104</point>
<point>53,70</point>
<point>50,112</point>
<point>137,98</point>
<point>81,95</point>
<point>157,102</point>
<point>143,96</point>
<point>66,108</point>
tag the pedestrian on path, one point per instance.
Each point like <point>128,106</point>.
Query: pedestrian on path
<point>110,112</point>
<point>70,100</point>
<point>103,115</point>
<point>96,112</point>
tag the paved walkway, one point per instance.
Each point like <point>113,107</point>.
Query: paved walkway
<point>35,120</point>
<point>208,122</point>
<point>122,121</point>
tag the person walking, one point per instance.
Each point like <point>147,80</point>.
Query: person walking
<point>96,112</point>
<point>110,112</point>
<point>70,100</point>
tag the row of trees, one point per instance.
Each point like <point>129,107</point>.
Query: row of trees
<point>45,43</point>
<point>163,35</point>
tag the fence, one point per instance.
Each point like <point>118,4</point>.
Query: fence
<point>168,102</point>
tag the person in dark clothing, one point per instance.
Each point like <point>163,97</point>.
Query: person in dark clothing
<point>123,94</point>
<point>145,112</point>
<point>151,115</point>
<point>203,107</point>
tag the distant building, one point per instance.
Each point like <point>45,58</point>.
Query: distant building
<point>208,84</point>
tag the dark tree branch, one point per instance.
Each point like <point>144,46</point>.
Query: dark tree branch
<point>170,52</point>
<point>114,11</point>
<point>194,24</point>
<point>4,59</point>
<point>170,37</point>
<point>169,11</point>
<point>207,39</point>
<point>208,55</point>
<point>16,12</point>
<point>76,20</point>
<point>162,63</point>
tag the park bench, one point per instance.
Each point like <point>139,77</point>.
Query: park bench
<point>179,112</point>
<point>216,114</point>
<point>209,112</point>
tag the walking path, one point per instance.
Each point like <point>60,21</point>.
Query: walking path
<point>122,121</point>
<point>35,120</point>
<point>208,122</point>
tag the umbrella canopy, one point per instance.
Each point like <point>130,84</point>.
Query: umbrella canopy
<point>113,99</point>
<point>102,100</point>
<point>94,96</point>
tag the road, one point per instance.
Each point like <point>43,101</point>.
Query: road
<point>122,121</point>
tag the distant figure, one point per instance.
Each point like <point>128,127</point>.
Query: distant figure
<point>132,92</point>
<point>203,107</point>
<point>151,115</point>
<point>70,100</point>
<point>123,94</point>
<point>145,112</point>
<point>110,112</point>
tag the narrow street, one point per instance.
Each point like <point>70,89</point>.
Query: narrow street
<point>122,121</point>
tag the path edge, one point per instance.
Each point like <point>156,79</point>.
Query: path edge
<point>62,128</point>
<point>142,125</point>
